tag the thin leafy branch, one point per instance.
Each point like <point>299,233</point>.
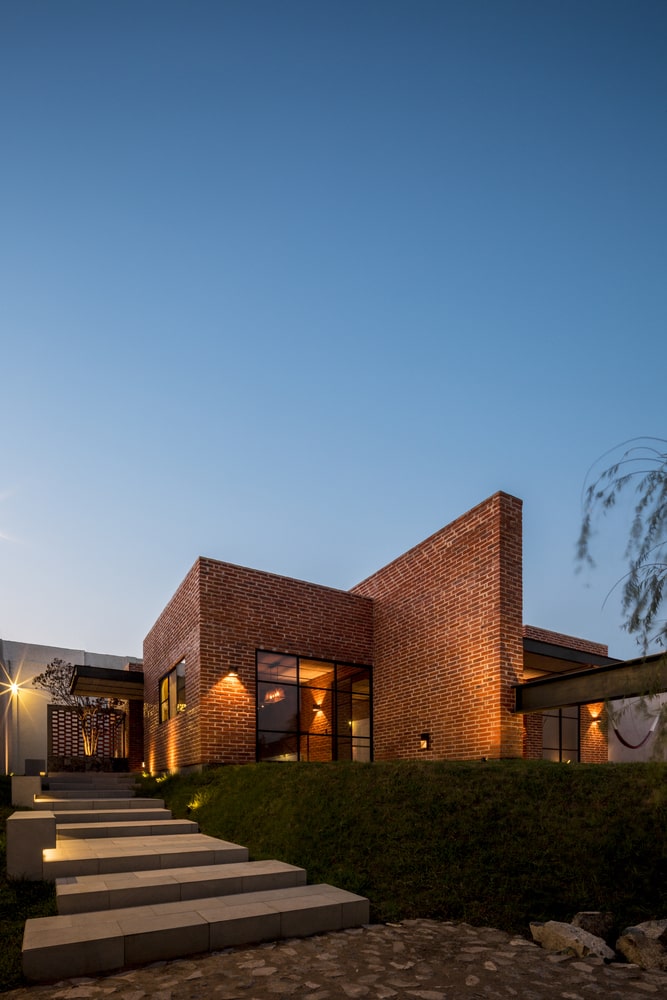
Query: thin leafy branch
<point>641,468</point>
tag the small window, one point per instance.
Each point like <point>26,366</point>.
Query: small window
<point>560,734</point>
<point>172,692</point>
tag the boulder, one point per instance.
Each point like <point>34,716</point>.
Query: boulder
<point>595,922</point>
<point>645,944</point>
<point>557,936</point>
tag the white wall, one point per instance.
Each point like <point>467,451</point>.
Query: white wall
<point>23,728</point>
<point>634,718</point>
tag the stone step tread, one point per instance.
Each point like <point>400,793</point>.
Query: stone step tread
<point>96,802</point>
<point>109,815</point>
<point>91,791</point>
<point>129,828</point>
<point>86,893</point>
<point>55,947</point>
<point>94,777</point>
<point>127,854</point>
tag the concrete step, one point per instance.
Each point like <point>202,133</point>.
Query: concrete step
<point>54,804</point>
<point>81,777</point>
<point>89,791</point>
<point>88,893</point>
<point>85,944</point>
<point>100,856</point>
<point>108,815</point>
<point>129,828</point>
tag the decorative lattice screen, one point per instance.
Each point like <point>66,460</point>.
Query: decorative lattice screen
<point>65,732</point>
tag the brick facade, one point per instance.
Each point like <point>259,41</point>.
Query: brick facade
<point>448,649</point>
<point>219,617</point>
<point>567,641</point>
<point>440,626</point>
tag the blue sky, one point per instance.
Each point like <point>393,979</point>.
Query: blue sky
<point>294,284</point>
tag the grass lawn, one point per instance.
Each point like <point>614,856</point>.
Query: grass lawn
<point>497,843</point>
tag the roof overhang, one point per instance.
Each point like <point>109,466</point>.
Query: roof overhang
<point>105,682</point>
<point>551,658</point>
<point>619,679</point>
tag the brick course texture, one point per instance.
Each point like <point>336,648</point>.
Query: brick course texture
<point>448,648</point>
<point>441,627</point>
<point>217,619</point>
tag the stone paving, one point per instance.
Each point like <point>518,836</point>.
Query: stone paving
<point>420,959</point>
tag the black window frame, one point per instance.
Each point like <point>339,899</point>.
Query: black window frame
<point>171,693</point>
<point>564,753</point>
<point>301,733</point>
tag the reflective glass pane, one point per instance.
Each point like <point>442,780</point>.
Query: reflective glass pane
<point>361,750</point>
<point>344,713</point>
<point>361,717</point>
<point>316,673</point>
<point>570,734</point>
<point>277,746</point>
<point>550,731</point>
<point>276,667</point>
<point>164,699</point>
<point>277,706</point>
<point>550,754</point>
<point>343,748</point>
<point>316,710</point>
<point>316,747</point>
<point>355,679</point>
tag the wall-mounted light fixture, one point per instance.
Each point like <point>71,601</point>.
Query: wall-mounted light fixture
<point>425,741</point>
<point>317,708</point>
<point>233,672</point>
<point>595,710</point>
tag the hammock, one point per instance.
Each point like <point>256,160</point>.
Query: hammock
<point>636,746</point>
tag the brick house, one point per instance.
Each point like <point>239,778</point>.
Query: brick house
<point>421,659</point>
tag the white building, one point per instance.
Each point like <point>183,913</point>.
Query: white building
<point>23,707</point>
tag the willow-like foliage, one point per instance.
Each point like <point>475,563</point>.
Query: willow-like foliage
<point>641,468</point>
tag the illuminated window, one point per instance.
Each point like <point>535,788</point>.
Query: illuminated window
<point>172,692</point>
<point>313,710</point>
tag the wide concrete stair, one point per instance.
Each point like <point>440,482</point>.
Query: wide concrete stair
<point>134,886</point>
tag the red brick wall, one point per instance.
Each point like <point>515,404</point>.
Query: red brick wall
<point>448,647</point>
<point>593,734</point>
<point>218,618</point>
<point>569,641</point>
<point>532,736</point>
<point>175,636</point>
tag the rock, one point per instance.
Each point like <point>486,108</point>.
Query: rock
<point>595,922</point>
<point>645,944</point>
<point>557,936</point>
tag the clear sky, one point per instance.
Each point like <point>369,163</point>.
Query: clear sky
<point>293,284</point>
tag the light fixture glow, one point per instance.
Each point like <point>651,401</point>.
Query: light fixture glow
<point>274,696</point>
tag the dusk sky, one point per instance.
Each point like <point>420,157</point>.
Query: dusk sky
<point>294,284</point>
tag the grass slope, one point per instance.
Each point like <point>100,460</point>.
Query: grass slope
<point>498,843</point>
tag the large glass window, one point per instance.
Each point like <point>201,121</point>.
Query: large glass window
<point>171,693</point>
<point>560,734</point>
<point>312,709</point>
